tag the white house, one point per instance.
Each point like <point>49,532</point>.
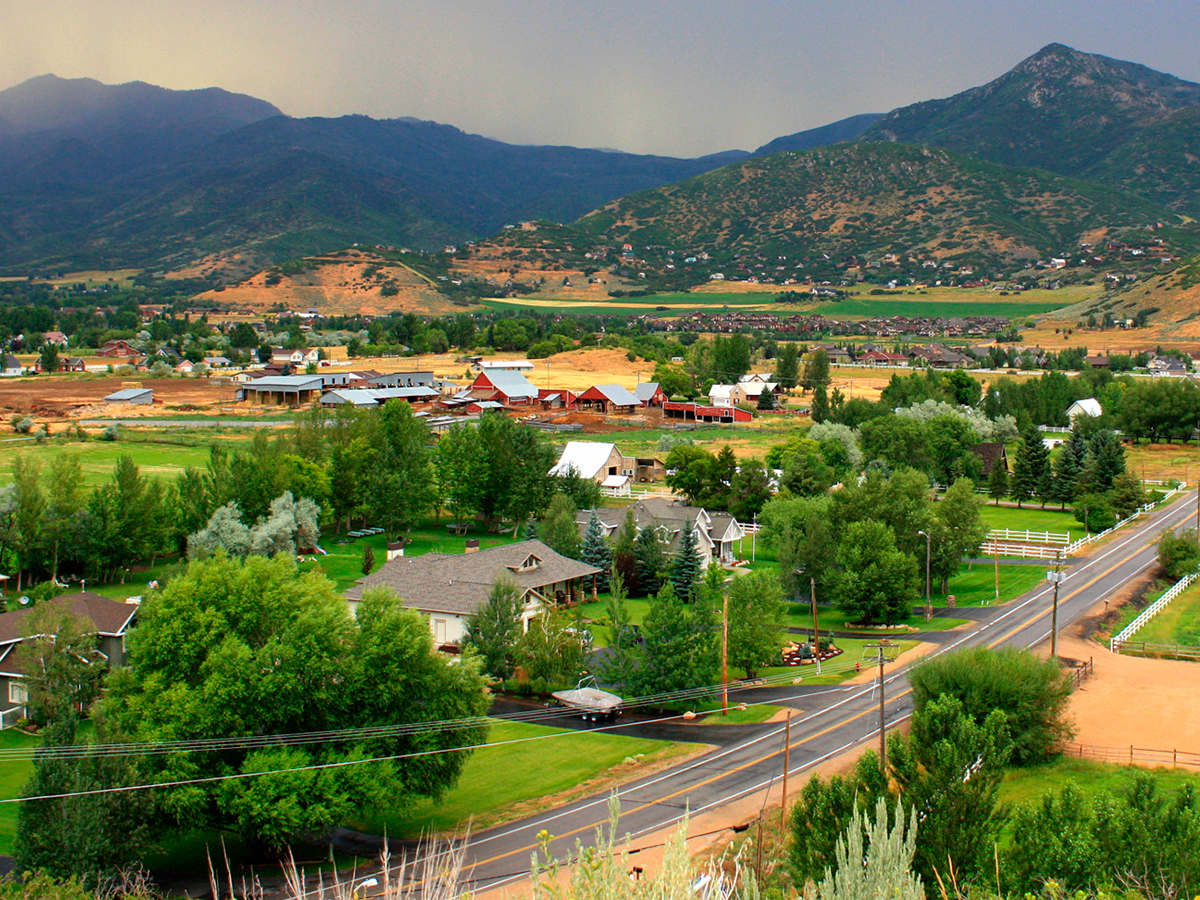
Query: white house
<point>11,366</point>
<point>727,394</point>
<point>1087,407</point>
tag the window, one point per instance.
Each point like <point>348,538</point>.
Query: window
<point>439,630</point>
<point>17,693</point>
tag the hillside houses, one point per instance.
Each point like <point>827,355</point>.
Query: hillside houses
<point>919,327</point>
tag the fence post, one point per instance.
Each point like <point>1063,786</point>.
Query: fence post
<point>1131,754</point>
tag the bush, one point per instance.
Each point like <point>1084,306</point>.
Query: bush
<point>21,424</point>
<point>1095,512</point>
<point>111,433</point>
<point>1179,554</point>
<point>1033,693</point>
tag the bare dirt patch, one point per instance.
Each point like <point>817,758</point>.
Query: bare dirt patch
<point>55,398</point>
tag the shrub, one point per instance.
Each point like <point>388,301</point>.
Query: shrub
<point>1032,692</point>
<point>1179,554</point>
<point>21,424</point>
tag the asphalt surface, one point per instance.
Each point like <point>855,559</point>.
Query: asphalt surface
<point>830,720</point>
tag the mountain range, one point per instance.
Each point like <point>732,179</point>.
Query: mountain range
<point>102,176</point>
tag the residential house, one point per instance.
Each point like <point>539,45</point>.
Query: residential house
<point>110,619</point>
<point>217,362</point>
<point>716,533</point>
<point>299,357</point>
<point>1096,362</point>
<point>754,389</point>
<point>1167,365</point>
<point>609,398</point>
<point>55,337</point>
<point>1089,406</point>
<point>11,366</point>
<point>450,588</point>
<point>72,364</point>
<point>504,386</point>
<point>727,395</point>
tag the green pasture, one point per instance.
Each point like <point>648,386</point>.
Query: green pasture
<point>863,307</point>
<point>1025,785</point>
<point>1178,623</point>
<point>13,775</point>
<point>1032,518</point>
<point>556,760</point>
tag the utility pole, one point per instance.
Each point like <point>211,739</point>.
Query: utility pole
<point>885,651</point>
<point>996,551</point>
<point>812,593</point>
<point>1056,577</point>
<point>928,598</point>
<point>787,755</point>
<point>724,653</point>
<point>754,533</point>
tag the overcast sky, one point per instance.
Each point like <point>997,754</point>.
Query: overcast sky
<point>656,76</point>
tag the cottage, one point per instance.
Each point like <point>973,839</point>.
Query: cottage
<point>300,357</point>
<point>599,462</point>
<point>450,588</point>
<point>727,395</point>
<point>110,619</point>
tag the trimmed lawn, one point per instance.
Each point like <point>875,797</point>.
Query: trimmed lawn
<point>1032,519</point>
<point>13,775</point>
<point>488,792</point>
<point>1178,623</point>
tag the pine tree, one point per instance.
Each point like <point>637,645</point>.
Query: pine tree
<point>624,555</point>
<point>787,365</point>
<point>1067,471</point>
<point>998,480</point>
<point>766,399</point>
<point>649,560</point>
<point>685,568</point>
<point>368,560</point>
<point>1030,468</point>
<point>597,553</point>
<point>820,405</point>
<point>1106,460</point>
<point>557,529</point>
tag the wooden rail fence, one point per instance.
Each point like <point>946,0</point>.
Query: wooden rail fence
<point>1132,755</point>
<point>1160,651</point>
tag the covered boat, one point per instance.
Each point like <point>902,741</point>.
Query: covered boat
<point>591,702</point>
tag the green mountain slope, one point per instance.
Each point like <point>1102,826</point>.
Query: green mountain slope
<point>870,199</point>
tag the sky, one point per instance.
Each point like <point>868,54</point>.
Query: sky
<point>670,77</point>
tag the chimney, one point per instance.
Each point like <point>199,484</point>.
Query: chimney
<point>472,545</point>
<point>394,550</point>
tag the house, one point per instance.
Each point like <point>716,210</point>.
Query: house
<point>187,367</point>
<point>11,366</point>
<point>754,389</point>
<point>1096,362</point>
<point>300,357</point>
<point>1088,407</point>
<point>136,396</point>
<point>1166,365</point>
<point>991,454</point>
<point>599,462</point>
<point>110,619</point>
<point>72,364</point>
<point>55,337</point>
<point>217,362</point>
<point>650,393</point>
<point>727,395</point>
<point>609,399</point>
<point>716,533</point>
<point>117,349</point>
<point>450,588</point>
<point>504,386</point>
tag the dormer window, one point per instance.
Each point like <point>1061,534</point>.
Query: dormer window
<point>530,562</point>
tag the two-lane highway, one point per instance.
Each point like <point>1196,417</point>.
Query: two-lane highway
<point>832,719</point>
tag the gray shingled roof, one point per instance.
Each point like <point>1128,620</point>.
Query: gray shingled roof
<point>110,617</point>
<point>459,583</point>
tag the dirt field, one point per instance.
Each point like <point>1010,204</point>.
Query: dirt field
<point>52,398</point>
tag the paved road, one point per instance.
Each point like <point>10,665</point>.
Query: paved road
<point>830,719</point>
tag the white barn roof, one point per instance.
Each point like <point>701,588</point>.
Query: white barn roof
<point>587,458</point>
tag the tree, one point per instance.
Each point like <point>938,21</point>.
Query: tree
<point>685,567</point>
<point>1031,466</point>
<point>749,490</point>
<point>242,648</point>
<point>624,551</point>
<point>1068,468</point>
<point>1105,461</point>
<point>1095,512</point>
<point>958,530</point>
<point>800,531</point>
<point>596,553</point>
<point>952,442</point>
<point>1031,692</point>
<point>680,648</point>
<point>494,631</point>
<point>897,440</point>
<point>787,365</point>
<point>557,528</point>
<point>998,480</point>
<point>63,521</point>
<point>400,492</point>
<point>877,582</point>
<point>1178,554</point>
<point>459,474</point>
<point>757,614</point>
<point>819,411</point>
<point>368,560</point>
<point>690,471</point>
<point>29,501</point>
<point>673,380</point>
<point>650,562</point>
<point>816,370</point>
<point>806,474</point>
<point>48,358</point>
<point>552,649</point>
<point>1126,495</point>
<point>766,399</point>
<point>61,660</point>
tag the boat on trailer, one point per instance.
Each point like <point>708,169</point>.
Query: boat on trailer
<point>593,704</point>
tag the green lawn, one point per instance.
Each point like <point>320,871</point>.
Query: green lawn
<point>1032,518</point>
<point>163,455</point>
<point>1023,785</point>
<point>489,789</point>
<point>13,775</point>
<point>1178,623</point>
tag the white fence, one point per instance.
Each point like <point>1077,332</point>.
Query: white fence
<point>10,717</point>
<point>1028,551</point>
<point>1150,612</point>
<point>1029,537</point>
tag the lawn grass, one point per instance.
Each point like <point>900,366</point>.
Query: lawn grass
<point>1178,623</point>
<point>1032,518</point>
<point>1027,784</point>
<point>488,791</point>
<point>13,775</point>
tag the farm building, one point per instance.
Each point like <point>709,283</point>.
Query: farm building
<point>609,398</point>
<point>695,412</point>
<point>1089,406</point>
<point>450,588</point>
<point>501,365</point>
<point>283,390</point>
<point>140,396</point>
<point>650,393</point>
<point>505,386</point>
<point>600,462</point>
<point>372,397</point>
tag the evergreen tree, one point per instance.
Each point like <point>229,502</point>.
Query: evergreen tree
<point>1106,460</point>
<point>557,529</point>
<point>597,553</point>
<point>680,649</point>
<point>624,552</point>
<point>685,568</point>
<point>495,630</point>
<point>766,399</point>
<point>998,480</point>
<point>1029,471</point>
<point>816,370</point>
<point>650,562</point>
<point>787,365</point>
<point>368,559</point>
<point>819,412</point>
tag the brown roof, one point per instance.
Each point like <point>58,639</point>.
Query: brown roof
<point>459,583</point>
<point>991,453</point>
<point>110,617</point>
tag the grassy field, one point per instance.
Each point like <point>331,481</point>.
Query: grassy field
<point>162,455</point>
<point>1178,623</point>
<point>1027,784</point>
<point>1032,518</point>
<point>487,792</point>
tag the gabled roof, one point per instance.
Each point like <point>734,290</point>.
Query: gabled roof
<point>617,395</point>
<point>721,391</point>
<point>110,617</point>
<point>645,392</point>
<point>587,458</point>
<point>460,583</point>
<point>510,383</point>
<point>1089,406</point>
